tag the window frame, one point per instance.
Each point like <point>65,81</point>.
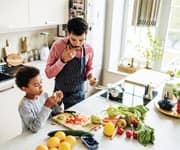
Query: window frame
<point>161,30</point>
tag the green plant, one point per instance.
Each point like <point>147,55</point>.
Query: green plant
<point>152,50</point>
<point>155,48</point>
<point>176,91</point>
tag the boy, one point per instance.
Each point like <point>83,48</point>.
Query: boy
<point>35,107</point>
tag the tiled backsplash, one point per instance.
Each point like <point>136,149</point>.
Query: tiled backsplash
<point>33,39</point>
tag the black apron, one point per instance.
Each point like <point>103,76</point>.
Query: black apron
<point>71,81</point>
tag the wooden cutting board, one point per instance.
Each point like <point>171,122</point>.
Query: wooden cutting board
<point>172,113</point>
<point>86,126</point>
<point>14,59</point>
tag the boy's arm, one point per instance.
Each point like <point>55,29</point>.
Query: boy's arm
<point>31,122</point>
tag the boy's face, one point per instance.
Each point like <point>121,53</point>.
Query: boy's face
<point>34,87</point>
<point>77,40</point>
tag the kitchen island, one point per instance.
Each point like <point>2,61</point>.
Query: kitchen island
<point>167,130</point>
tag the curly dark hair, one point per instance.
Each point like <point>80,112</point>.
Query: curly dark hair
<point>77,26</point>
<point>25,74</point>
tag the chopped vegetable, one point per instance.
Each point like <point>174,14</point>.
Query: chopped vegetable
<point>76,120</point>
<point>96,119</point>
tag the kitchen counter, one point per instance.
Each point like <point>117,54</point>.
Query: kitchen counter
<point>167,130</point>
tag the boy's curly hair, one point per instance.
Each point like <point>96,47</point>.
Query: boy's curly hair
<point>25,74</point>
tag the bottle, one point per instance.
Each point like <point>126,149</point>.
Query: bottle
<point>178,106</point>
<point>44,51</point>
<point>168,87</point>
<point>3,54</point>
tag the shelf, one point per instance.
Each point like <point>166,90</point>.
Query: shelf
<point>12,29</point>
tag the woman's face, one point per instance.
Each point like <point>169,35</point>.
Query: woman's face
<point>77,40</point>
<point>34,87</point>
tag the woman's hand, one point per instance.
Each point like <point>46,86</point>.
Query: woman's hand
<point>68,54</point>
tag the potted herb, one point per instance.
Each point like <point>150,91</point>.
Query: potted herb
<point>152,52</point>
<point>176,91</point>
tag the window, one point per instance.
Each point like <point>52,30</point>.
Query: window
<point>167,30</point>
<point>135,35</point>
<point>171,59</point>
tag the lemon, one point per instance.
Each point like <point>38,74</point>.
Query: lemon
<point>53,142</point>
<point>61,135</point>
<point>71,139</point>
<point>53,148</point>
<point>64,146</point>
<point>41,147</point>
<point>109,129</point>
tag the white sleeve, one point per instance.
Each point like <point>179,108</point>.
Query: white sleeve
<point>33,120</point>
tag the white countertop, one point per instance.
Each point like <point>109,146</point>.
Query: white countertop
<point>167,131</point>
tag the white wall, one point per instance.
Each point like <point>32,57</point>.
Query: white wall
<point>34,41</point>
<point>112,42</point>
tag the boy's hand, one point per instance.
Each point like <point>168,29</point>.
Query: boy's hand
<point>68,54</point>
<point>55,98</point>
<point>50,101</point>
<point>58,96</point>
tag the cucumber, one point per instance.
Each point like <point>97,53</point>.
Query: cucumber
<point>71,132</point>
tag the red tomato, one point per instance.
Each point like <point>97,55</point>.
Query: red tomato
<point>135,135</point>
<point>120,131</point>
<point>128,133</point>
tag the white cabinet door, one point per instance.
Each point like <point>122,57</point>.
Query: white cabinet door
<point>13,13</point>
<point>48,12</point>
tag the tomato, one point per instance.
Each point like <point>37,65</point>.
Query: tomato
<point>76,120</point>
<point>120,131</point>
<point>129,133</point>
<point>135,135</point>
